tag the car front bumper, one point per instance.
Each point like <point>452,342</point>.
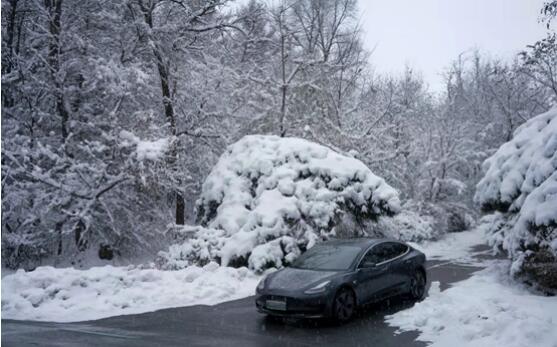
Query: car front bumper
<point>301,306</point>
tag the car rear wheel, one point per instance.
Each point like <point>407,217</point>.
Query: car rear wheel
<point>344,305</point>
<point>417,285</point>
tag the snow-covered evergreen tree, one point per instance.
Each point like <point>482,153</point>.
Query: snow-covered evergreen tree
<point>520,183</point>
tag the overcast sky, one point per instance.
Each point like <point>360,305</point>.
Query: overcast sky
<point>429,34</point>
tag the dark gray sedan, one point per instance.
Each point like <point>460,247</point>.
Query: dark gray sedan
<point>333,278</point>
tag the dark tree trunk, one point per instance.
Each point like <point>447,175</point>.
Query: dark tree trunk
<point>10,34</point>
<point>162,68</point>
<point>8,56</point>
<point>170,117</point>
<point>283,111</point>
<point>54,8</point>
<point>58,228</point>
<point>180,209</point>
<point>283,87</point>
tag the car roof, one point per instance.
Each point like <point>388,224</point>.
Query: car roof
<point>363,242</point>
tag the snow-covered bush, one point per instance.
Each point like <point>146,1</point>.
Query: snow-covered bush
<point>406,226</point>
<point>419,220</point>
<point>269,198</point>
<point>194,243</point>
<point>520,183</point>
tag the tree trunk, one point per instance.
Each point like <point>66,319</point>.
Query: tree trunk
<point>10,34</point>
<point>283,111</point>
<point>54,8</point>
<point>162,69</point>
<point>284,83</point>
<point>170,117</point>
<point>8,56</point>
<point>180,209</point>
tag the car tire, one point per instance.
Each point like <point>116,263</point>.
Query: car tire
<point>417,285</point>
<point>344,305</point>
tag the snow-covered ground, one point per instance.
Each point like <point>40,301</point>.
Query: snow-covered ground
<point>69,295</point>
<point>456,247</point>
<point>484,310</point>
<point>488,309</point>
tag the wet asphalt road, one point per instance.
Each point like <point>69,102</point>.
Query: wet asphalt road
<point>234,323</point>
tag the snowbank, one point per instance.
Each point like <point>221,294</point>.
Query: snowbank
<point>69,295</point>
<point>269,198</point>
<point>482,311</point>
<point>521,182</point>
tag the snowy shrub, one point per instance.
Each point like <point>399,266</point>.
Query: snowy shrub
<point>458,217</point>
<point>420,221</point>
<point>449,216</point>
<point>269,198</point>
<point>521,183</point>
<point>406,226</point>
<point>270,254</point>
<point>494,226</point>
<point>194,244</point>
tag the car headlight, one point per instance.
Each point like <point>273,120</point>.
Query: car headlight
<point>320,288</point>
<point>261,284</point>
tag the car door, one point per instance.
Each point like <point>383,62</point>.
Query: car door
<point>373,273</point>
<point>398,268</point>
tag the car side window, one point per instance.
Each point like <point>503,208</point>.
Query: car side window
<point>369,258</point>
<point>399,249</point>
<point>395,249</point>
<point>383,252</point>
<point>377,254</point>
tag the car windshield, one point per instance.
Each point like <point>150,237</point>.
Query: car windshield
<point>327,257</point>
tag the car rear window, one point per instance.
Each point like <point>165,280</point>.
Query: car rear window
<point>399,249</point>
<point>328,257</point>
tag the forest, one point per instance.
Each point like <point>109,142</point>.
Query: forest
<point>191,172</point>
<point>115,112</point>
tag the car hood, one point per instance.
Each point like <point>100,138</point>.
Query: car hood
<point>295,279</point>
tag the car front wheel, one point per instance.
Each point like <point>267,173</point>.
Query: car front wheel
<point>344,305</point>
<point>417,285</point>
